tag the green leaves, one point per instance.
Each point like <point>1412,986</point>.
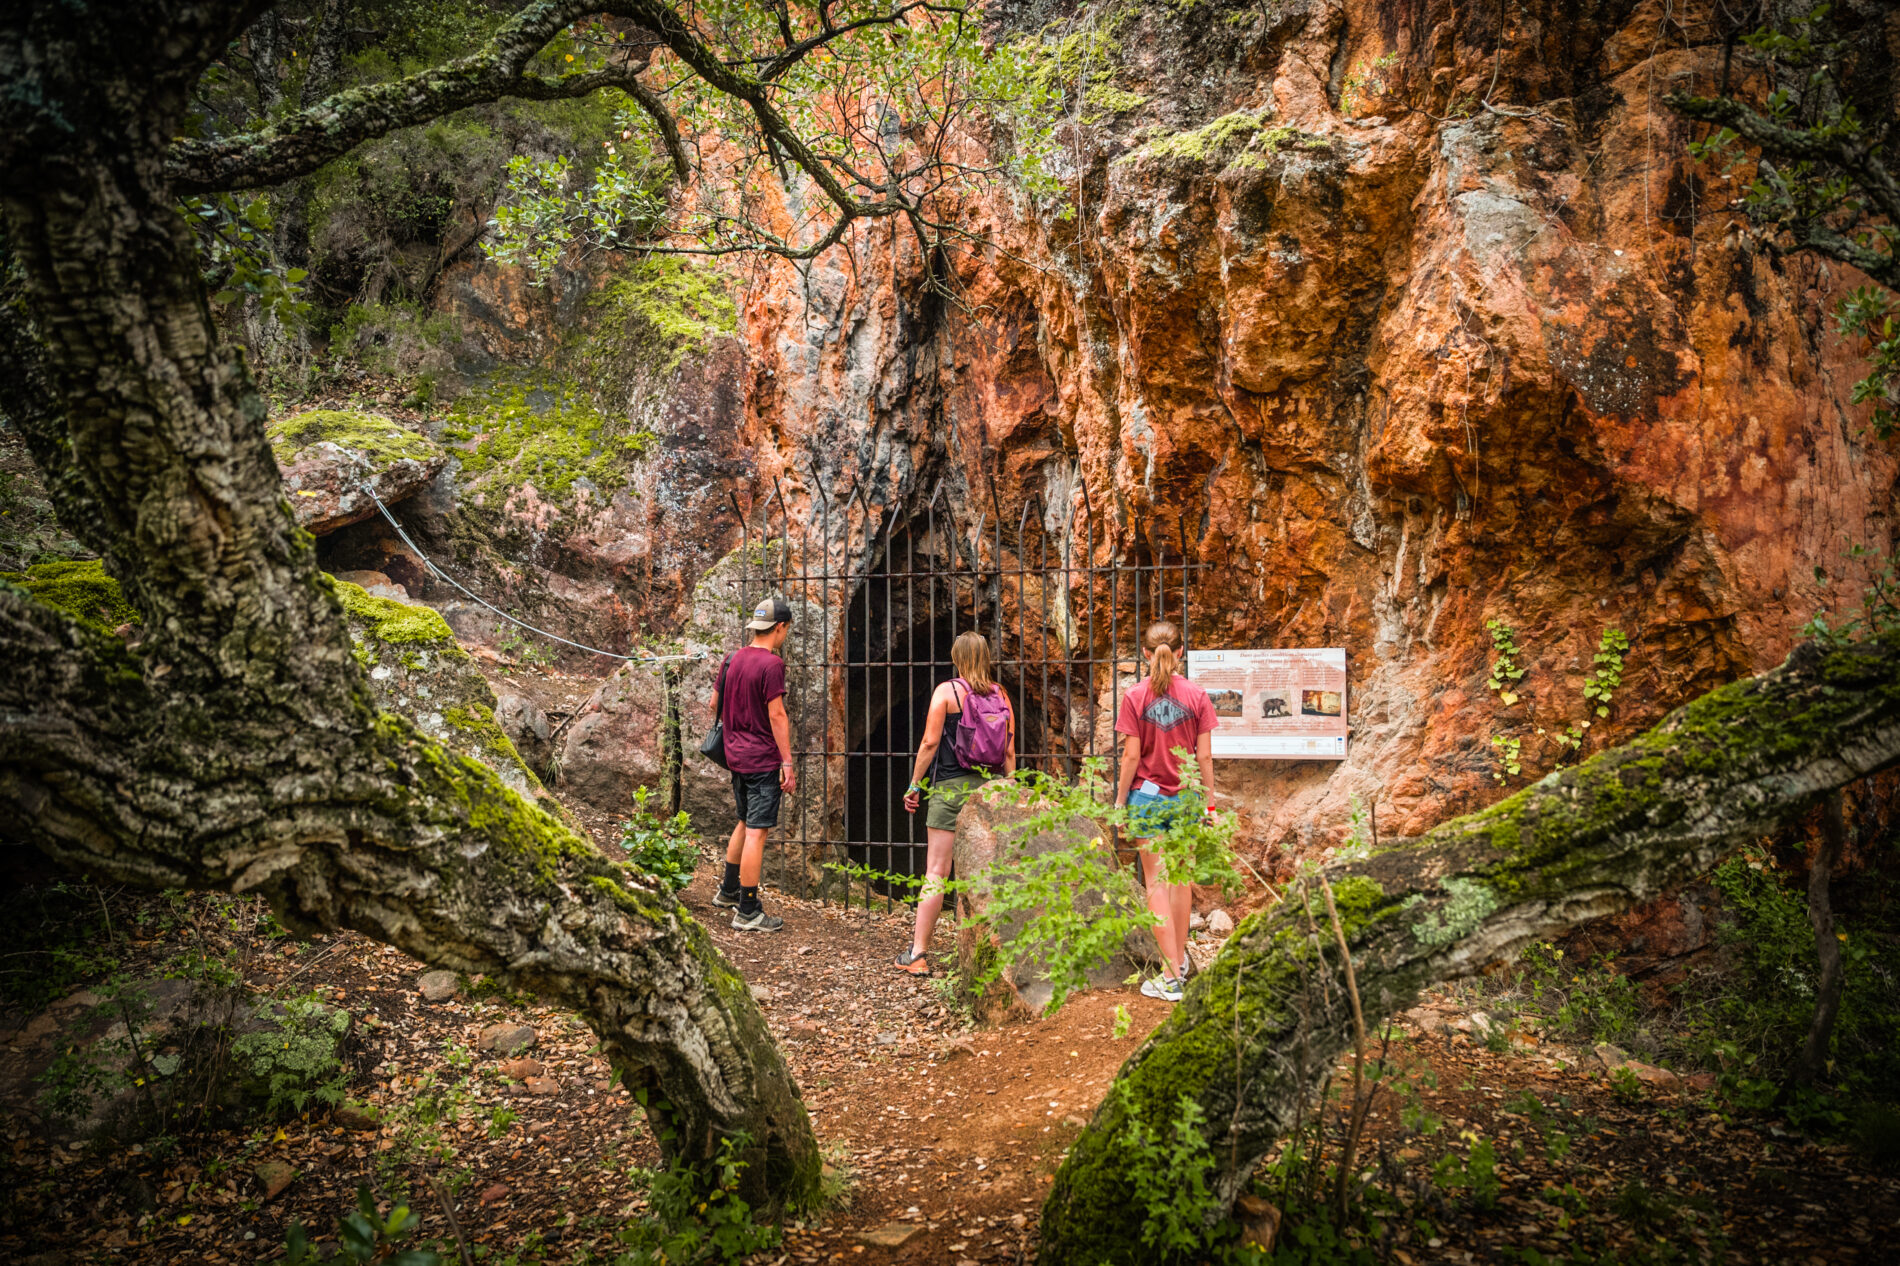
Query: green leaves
<point>540,218</point>
<point>664,848</point>
<point>1170,1178</point>
<point>696,1216</point>
<point>1504,667</point>
<point>366,1236</point>
<point>233,234</point>
<point>1870,314</point>
<point>1608,661</point>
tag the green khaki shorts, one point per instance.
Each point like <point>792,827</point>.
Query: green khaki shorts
<point>946,798</point>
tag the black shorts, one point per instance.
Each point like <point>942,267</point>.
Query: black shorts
<point>757,798</point>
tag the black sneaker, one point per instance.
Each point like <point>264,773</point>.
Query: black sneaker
<point>757,921</point>
<point>723,898</point>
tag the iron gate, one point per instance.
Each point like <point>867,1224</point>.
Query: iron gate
<point>875,613</point>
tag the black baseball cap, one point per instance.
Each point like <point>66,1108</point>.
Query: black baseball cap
<point>769,613</point>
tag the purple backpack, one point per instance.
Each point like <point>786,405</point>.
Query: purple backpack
<point>982,737</point>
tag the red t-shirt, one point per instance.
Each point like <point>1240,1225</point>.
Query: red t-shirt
<point>1176,719</point>
<point>754,677</point>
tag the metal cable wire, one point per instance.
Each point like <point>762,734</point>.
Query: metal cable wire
<point>430,564</point>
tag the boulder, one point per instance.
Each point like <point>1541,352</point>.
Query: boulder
<point>619,741</point>
<point>526,726</point>
<point>987,835</point>
<point>327,455</point>
<point>418,670</point>
<point>1220,923</point>
<point>505,1039</point>
<point>273,1177</point>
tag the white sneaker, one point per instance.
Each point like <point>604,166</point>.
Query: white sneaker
<point>1166,988</point>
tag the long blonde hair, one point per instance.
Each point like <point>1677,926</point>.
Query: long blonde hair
<point>970,653</point>
<point>1165,641</point>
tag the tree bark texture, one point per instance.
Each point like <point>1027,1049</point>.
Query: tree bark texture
<point>1269,1017</point>
<point>237,745</point>
<point>1827,950</point>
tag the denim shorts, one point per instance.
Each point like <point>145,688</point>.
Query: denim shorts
<point>757,796</point>
<point>1151,815</point>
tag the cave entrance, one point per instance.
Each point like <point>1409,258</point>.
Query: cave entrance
<point>872,628</point>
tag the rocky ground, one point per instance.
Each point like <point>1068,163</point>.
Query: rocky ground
<point>942,1136</point>
<point>495,1118</point>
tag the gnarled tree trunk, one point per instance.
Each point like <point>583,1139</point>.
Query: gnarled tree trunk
<point>1264,1022</point>
<point>236,745</point>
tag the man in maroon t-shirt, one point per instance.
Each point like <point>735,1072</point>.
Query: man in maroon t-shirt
<point>751,687</point>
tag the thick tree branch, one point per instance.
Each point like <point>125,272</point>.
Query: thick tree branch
<point>1266,1020</point>
<point>378,828</point>
<point>656,110</point>
<point>1846,151</point>
<point>298,145</point>
<point>238,745</point>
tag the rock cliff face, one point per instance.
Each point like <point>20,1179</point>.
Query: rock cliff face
<point>1395,319</point>
<point>1395,362</point>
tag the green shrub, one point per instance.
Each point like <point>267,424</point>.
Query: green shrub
<point>1755,1014</point>
<point>696,1216</point>
<point>665,848</point>
<point>298,1057</point>
<point>1170,1179</point>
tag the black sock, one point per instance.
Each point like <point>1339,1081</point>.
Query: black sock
<point>730,884</point>
<point>749,900</point>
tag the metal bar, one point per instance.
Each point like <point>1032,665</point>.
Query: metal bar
<point>890,834</point>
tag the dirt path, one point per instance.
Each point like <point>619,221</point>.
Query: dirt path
<point>945,1137</point>
<point>949,1136</point>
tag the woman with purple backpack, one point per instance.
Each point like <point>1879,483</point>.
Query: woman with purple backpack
<point>981,745</point>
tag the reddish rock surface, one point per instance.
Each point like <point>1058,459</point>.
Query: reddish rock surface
<point>1390,362</point>
<point>1390,377</point>
<point>325,484</point>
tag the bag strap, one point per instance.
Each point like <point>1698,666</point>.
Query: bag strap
<point>720,686</point>
<point>959,698</point>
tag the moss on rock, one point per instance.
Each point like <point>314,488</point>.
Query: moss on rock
<point>683,306</point>
<point>541,430</point>
<point>380,440</point>
<point>397,623</point>
<point>81,590</point>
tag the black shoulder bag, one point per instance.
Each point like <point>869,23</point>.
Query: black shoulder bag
<point>713,746</point>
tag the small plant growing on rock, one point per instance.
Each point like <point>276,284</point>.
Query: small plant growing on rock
<point>1601,689</point>
<point>1505,671</point>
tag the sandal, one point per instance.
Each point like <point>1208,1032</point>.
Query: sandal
<point>912,963</point>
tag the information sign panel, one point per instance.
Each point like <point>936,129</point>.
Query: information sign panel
<point>1287,705</point>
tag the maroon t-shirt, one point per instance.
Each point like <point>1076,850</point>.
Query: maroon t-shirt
<point>754,678</point>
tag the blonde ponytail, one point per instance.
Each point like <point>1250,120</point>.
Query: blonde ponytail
<point>1164,640</point>
<point>970,656</point>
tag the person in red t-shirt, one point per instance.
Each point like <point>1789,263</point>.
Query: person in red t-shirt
<point>759,754</point>
<point>1160,719</point>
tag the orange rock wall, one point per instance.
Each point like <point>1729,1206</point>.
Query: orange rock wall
<point>1401,375</point>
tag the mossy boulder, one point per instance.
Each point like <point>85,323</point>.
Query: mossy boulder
<point>328,456</point>
<point>80,589</point>
<point>419,671</point>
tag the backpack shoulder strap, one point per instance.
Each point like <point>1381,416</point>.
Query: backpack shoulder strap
<point>954,682</point>
<point>720,686</point>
